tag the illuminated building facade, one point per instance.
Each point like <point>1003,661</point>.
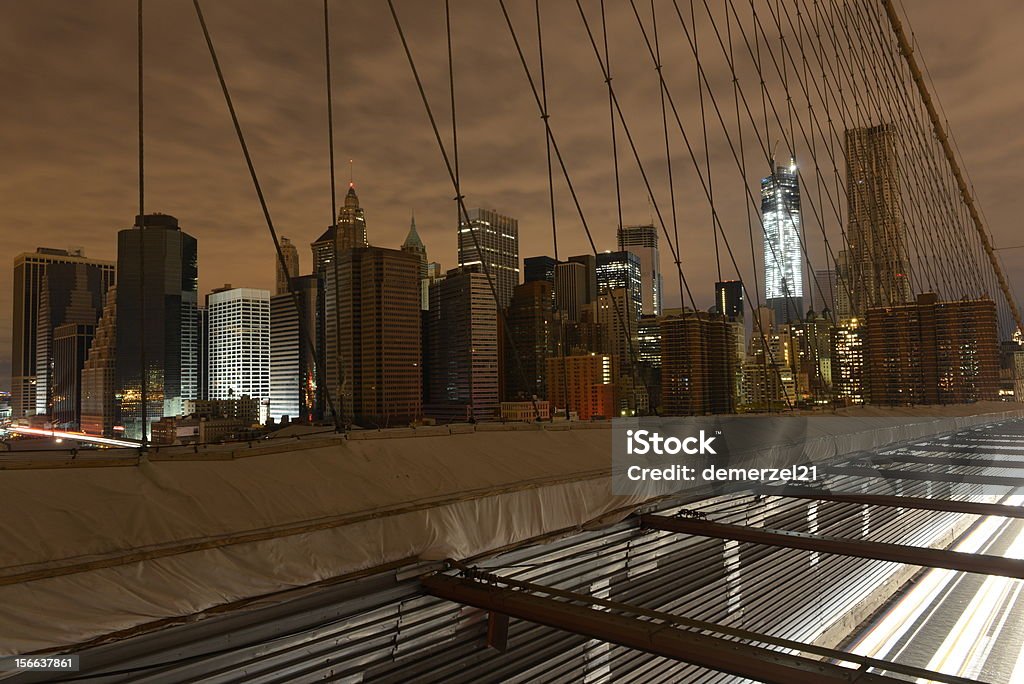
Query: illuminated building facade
<point>643,241</point>
<point>238,324</point>
<point>490,240</point>
<point>783,261</point>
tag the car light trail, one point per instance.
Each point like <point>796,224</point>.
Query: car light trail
<point>77,436</point>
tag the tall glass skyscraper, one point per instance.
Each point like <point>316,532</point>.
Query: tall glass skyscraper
<point>491,241</point>
<point>783,263</point>
<point>643,241</point>
<point>44,281</point>
<point>157,321</point>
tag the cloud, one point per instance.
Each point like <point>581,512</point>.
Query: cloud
<point>68,137</point>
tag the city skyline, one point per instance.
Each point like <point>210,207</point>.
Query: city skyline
<point>396,167</point>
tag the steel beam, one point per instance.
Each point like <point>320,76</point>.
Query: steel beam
<point>894,474</point>
<point>916,502</point>
<point>858,548</point>
<point>658,638</point>
<point>984,462</point>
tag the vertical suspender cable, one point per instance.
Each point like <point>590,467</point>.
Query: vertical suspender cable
<point>252,174</point>
<point>143,393</point>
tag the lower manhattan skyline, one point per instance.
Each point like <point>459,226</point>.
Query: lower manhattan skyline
<point>71,182</point>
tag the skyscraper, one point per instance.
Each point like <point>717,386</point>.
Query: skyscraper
<point>157,321</point>
<point>372,346</point>
<point>351,222</point>
<point>238,321</point>
<point>698,364</point>
<point>414,245</point>
<point>783,263</point>
<point>643,241</point>
<point>491,240</point>
<point>71,294</point>
<point>729,299</point>
<point>293,372</point>
<point>462,361</point>
<point>617,270</point>
<point>531,325</point>
<point>71,343</point>
<point>932,352</point>
<point>571,289</point>
<point>878,258</point>
<point>30,281</point>
<point>99,377</point>
<point>539,268</point>
<point>291,260</point>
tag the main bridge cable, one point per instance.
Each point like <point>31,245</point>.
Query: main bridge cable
<point>456,184</point>
<point>259,190</point>
<point>767,353</point>
<point>568,179</point>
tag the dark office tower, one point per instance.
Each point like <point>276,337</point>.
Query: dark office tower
<point>825,290</point>
<point>71,293</point>
<point>571,290</point>
<point>698,365</point>
<point>531,324</point>
<point>293,377</point>
<point>589,262</point>
<point>643,241</point>
<point>30,280</point>
<point>351,222</point>
<point>878,260</point>
<point>539,268</point>
<point>414,245</point>
<point>620,270</point>
<point>291,260</point>
<point>729,299</point>
<point>323,250</point>
<point>783,261</point>
<point>462,348</point>
<point>497,238</point>
<point>99,382</point>
<point>157,321</point>
<point>373,361</point>
<point>71,343</point>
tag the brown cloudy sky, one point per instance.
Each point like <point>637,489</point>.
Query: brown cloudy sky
<point>67,126</point>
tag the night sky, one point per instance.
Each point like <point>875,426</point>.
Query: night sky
<point>68,127</point>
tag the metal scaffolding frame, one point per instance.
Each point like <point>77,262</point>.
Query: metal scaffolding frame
<point>897,553</point>
<point>915,502</point>
<point>725,649</point>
